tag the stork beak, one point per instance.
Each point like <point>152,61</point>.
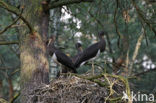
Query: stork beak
<point>81,49</point>
<point>49,42</point>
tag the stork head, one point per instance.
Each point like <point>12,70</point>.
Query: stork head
<point>78,46</point>
<point>50,41</point>
<point>101,34</point>
<point>50,45</point>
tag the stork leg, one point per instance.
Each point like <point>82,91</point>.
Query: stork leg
<point>92,67</point>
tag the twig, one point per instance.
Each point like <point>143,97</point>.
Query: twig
<point>125,81</point>
<point>145,33</point>
<point>15,11</point>
<point>3,100</point>
<point>66,10</point>
<point>66,2</point>
<point>15,71</point>
<point>10,47</point>
<point>14,26</point>
<point>136,52</point>
<point>5,68</point>
<point>107,81</point>
<point>96,64</point>
<point>9,42</point>
<point>115,23</point>
<point>142,17</point>
<point>93,79</point>
<point>9,26</point>
<point>144,72</point>
<point>15,97</point>
<point>111,84</point>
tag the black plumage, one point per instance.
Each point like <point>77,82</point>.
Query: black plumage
<point>92,51</point>
<point>59,56</point>
<point>78,46</point>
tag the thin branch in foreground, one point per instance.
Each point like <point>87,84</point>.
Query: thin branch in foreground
<point>144,72</point>
<point>140,14</point>
<point>16,11</point>
<point>9,26</point>
<point>136,52</point>
<point>8,42</point>
<point>66,2</point>
<point>15,26</point>
<point>115,23</point>
<point>144,32</point>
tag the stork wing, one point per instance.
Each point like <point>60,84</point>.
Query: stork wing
<point>87,54</point>
<point>64,60</point>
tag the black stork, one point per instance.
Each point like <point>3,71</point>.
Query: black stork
<point>92,51</point>
<point>78,46</point>
<point>58,56</point>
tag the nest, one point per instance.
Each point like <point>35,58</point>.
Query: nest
<point>81,89</point>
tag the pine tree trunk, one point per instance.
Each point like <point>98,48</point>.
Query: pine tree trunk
<point>33,56</point>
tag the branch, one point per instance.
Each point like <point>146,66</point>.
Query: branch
<point>136,51</point>
<point>66,2</point>
<point>17,12</point>
<point>5,68</point>
<point>115,23</point>
<point>3,100</point>
<point>21,25</point>
<point>9,26</point>
<point>15,97</point>
<point>144,32</point>
<point>140,14</point>
<point>144,72</point>
<point>8,42</point>
<point>10,47</point>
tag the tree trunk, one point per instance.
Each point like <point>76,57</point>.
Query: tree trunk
<point>56,25</point>
<point>34,63</point>
<point>1,85</point>
<point>11,90</point>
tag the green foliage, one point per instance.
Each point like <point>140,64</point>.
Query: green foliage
<point>88,19</point>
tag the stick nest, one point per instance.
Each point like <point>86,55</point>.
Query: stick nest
<point>81,89</point>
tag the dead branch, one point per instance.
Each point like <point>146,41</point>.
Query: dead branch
<point>16,11</point>
<point>3,100</point>
<point>21,25</point>
<point>115,23</point>
<point>144,72</point>
<point>9,26</point>
<point>145,33</point>
<point>141,16</point>
<point>9,42</point>
<point>60,3</point>
<point>136,52</point>
<point>11,90</point>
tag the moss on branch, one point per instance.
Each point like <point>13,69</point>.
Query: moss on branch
<point>9,42</point>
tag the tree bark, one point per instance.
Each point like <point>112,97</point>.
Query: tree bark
<point>1,85</point>
<point>11,90</point>
<point>34,63</point>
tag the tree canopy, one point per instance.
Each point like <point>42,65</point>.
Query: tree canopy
<point>130,40</point>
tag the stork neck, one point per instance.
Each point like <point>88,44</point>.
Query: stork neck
<point>101,37</point>
<point>79,49</point>
<point>53,46</point>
